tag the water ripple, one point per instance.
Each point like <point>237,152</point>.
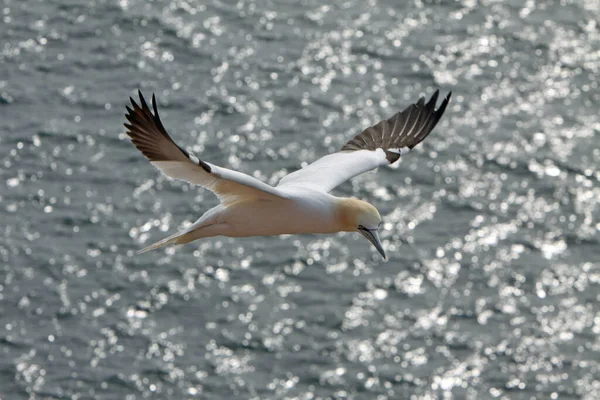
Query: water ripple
<point>491,225</point>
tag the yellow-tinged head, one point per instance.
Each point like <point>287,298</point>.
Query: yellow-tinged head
<point>357,215</point>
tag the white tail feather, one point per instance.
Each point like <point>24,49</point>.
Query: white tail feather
<point>168,240</point>
<point>196,231</point>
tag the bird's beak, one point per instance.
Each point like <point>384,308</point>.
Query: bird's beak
<point>373,237</point>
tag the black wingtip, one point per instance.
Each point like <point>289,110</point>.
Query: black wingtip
<point>406,128</point>
<point>143,101</point>
<point>433,100</point>
<point>133,103</point>
<point>442,107</point>
<point>154,106</point>
<point>141,97</point>
<point>145,130</point>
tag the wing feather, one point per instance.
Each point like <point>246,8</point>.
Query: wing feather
<point>149,135</point>
<point>378,145</point>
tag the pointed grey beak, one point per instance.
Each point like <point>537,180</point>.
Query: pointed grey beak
<point>373,237</point>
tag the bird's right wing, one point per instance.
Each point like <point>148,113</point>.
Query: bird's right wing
<point>379,145</point>
<point>151,138</point>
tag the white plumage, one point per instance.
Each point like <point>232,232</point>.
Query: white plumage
<point>301,202</point>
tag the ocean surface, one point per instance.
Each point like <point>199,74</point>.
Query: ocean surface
<point>492,225</point>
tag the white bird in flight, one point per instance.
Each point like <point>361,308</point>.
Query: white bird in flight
<point>301,202</point>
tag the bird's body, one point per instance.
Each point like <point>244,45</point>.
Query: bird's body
<point>301,203</point>
<point>308,211</point>
<point>301,212</point>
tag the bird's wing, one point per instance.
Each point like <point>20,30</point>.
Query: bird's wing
<point>379,145</point>
<point>150,137</point>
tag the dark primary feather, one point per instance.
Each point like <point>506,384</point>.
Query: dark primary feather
<point>404,129</point>
<point>150,136</point>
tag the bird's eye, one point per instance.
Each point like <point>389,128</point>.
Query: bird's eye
<point>362,227</point>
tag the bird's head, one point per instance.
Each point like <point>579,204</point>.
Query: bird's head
<point>360,216</point>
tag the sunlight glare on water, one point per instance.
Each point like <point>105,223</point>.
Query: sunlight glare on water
<point>491,226</point>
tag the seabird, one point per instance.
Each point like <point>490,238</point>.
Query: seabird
<point>301,202</point>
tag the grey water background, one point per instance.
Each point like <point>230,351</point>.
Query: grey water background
<point>491,289</point>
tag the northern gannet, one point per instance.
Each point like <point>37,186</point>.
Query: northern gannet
<point>301,202</point>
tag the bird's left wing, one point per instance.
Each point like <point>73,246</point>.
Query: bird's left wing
<point>379,145</point>
<point>150,137</point>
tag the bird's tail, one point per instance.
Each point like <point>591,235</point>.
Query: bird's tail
<point>185,236</point>
<point>168,240</point>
